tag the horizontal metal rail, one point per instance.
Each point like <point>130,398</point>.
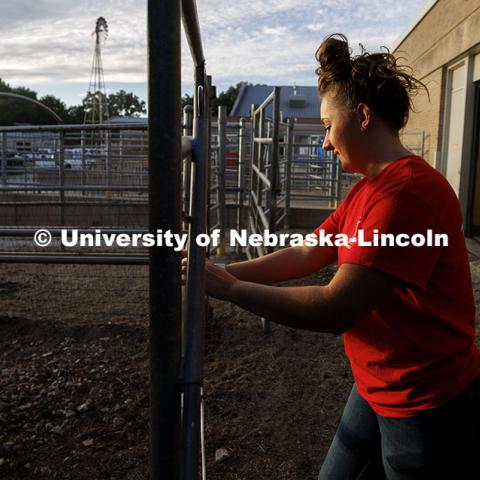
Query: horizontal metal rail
<point>74,258</point>
<point>14,187</point>
<point>263,140</point>
<point>67,128</point>
<point>264,104</point>
<point>57,232</point>
<point>68,203</point>
<point>261,176</point>
<point>192,31</point>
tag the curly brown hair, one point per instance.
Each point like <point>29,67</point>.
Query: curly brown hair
<point>375,79</point>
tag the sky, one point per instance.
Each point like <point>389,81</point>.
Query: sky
<point>47,45</point>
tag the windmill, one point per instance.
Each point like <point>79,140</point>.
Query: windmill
<point>96,106</point>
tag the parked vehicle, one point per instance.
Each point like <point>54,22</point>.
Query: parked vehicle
<point>73,159</point>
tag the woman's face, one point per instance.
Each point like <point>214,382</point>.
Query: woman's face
<point>343,135</point>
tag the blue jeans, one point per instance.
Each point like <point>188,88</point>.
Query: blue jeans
<point>442,443</point>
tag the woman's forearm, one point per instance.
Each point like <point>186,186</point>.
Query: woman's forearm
<point>286,264</point>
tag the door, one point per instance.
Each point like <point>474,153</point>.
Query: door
<point>456,125</point>
<point>475,185</point>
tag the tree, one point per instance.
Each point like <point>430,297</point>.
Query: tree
<point>26,92</point>
<point>56,105</point>
<point>4,86</point>
<point>187,100</point>
<point>14,110</point>
<point>125,104</point>
<point>76,114</point>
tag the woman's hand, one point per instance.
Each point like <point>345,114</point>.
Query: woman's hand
<point>218,282</point>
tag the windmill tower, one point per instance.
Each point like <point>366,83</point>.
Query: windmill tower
<point>96,107</point>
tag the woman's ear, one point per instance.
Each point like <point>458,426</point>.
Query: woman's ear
<point>364,115</point>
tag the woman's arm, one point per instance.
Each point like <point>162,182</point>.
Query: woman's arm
<point>286,264</point>
<point>354,291</point>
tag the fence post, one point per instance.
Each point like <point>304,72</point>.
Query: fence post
<point>252,179</point>
<point>272,199</point>
<point>288,171</point>
<point>222,137</point>
<point>240,177</point>
<point>195,289</point>
<point>260,153</point>
<point>4,158</point>
<point>61,153</point>
<point>120,157</point>
<point>108,165</point>
<point>187,163</point>
<point>338,178</point>
<point>164,120</point>
<point>82,145</point>
<point>273,177</point>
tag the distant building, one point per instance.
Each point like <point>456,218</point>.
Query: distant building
<point>443,48</point>
<point>302,103</point>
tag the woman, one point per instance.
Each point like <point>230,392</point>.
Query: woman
<point>406,313</point>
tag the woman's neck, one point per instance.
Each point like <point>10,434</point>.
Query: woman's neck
<point>382,154</point>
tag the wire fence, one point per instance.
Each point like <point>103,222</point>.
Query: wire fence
<point>97,175</point>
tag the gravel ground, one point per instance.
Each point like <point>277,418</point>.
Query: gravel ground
<point>74,381</point>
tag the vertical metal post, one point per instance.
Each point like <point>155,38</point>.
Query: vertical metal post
<point>254,146</point>
<point>208,165</point>
<point>187,125</point>
<point>164,214</point>
<point>273,177</point>
<point>260,154</point>
<point>187,131</point>
<point>272,203</point>
<point>61,153</point>
<point>288,171</point>
<point>338,171</point>
<point>195,289</point>
<point>108,165</point>
<point>240,177</point>
<point>222,138</point>
<point>82,145</point>
<point>253,178</point>
<point>120,157</point>
<point>4,158</point>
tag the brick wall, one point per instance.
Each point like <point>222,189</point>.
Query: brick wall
<point>448,30</point>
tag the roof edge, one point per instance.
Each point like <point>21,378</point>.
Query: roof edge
<point>241,93</point>
<point>417,19</point>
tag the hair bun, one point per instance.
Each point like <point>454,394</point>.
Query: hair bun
<point>375,79</point>
<point>334,58</point>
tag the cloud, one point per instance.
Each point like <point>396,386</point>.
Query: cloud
<point>316,27</point>
<point>262,41</point>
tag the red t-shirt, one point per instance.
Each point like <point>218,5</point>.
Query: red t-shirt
<point>417,350</point>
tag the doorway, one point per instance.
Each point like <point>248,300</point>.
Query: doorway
<point>473,219</point>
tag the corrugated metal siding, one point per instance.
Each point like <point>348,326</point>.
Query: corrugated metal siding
<point>257,93</point>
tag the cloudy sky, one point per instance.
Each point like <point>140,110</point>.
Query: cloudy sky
<point>47,44</point>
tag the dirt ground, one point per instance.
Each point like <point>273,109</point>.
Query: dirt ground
<point>74,381</point>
